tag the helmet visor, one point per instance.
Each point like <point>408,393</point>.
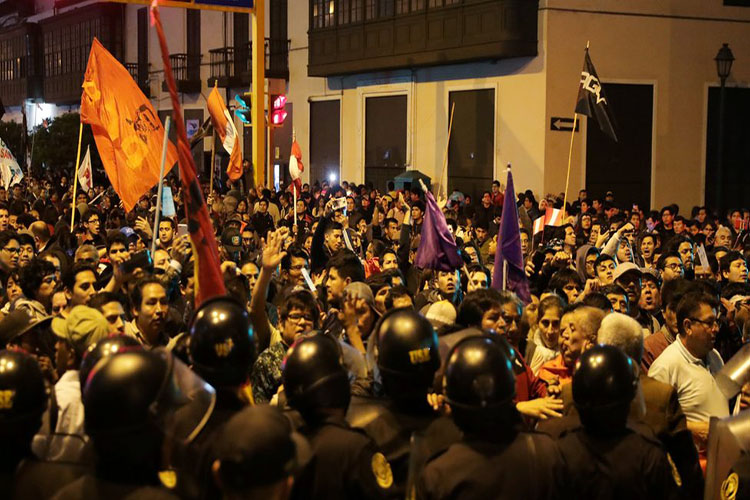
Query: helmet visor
<point>185,401</point>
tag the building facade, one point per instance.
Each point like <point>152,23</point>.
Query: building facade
<point>371,85</point>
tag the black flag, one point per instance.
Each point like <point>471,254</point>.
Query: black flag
<point>592,100</point>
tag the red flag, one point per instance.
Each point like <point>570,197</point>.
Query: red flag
<point>208,278</point>
<point>296,167</point>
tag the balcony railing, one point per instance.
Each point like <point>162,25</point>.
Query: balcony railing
<point>134,70</point>
<point>231,66</point>
<point>186,69</point>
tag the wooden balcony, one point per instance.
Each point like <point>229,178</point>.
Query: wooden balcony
<point>354,36</point>
<point>187,73</point>
<point>230,66</point>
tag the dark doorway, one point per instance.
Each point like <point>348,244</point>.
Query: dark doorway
<point>385,139</point>
<point>623,167</point>
<point>736,176</point>
<point>472,142</point>
<point>325,140</point>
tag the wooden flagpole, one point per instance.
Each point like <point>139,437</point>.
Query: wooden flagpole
<point>570,159</point>
<point>75,178</point>
<point>443,172</point>
<point>157,216</point>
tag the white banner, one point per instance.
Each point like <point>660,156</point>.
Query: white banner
<point>84,172</point>
<point>10,171</point>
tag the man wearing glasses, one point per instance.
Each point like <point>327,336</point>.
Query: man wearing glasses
<point>10,251</point>
<point>690,363</point>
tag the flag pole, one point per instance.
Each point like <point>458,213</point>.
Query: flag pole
<point>75,177</point>
<point>155,235</point>
<point>570,160</point>
<point>445,155</point>
<point>294,188</point>
<point>213,163</point>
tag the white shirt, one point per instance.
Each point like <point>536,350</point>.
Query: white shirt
<point>69,439</point>
<point>693,379</point>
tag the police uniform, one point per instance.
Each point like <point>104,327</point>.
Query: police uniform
<point>94,488</point>
<point>525,466</point>
<point>346,464</point>
<point>391,428</point>
<point>626,465</point>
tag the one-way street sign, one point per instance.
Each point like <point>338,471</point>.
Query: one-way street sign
<point>562,124</point>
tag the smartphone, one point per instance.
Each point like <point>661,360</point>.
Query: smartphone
<point>182,229</point>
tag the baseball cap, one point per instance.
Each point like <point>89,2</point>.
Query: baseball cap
<point>257,447</point>
<point>83,327</point>
<point>361,291</point>
<point>231,239</point>
<point>18,322</point>
<point>626,267</point>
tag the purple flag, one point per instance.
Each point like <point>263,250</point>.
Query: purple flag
<point>509,257</point>
<point>437,249</point>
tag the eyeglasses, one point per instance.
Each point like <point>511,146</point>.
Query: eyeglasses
<point>12,249</point>
<point>712,323</point>
<point>300,317</point>
<point>674,267</point>
<point>49,280</point>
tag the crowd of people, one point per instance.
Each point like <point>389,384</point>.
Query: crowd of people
<point>336,368</point>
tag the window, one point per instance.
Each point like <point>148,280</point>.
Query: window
<point>370,9</point>
<point>471,157</point>
<point>385,138</point>
<point>325,140</point>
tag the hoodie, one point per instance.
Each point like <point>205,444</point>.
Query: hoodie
<point>581,255</point>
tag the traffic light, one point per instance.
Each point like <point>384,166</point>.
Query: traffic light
<point>243,109</point>
<point>278,114</point>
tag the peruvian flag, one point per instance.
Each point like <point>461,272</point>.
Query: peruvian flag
<point>296,167</point>
<point>552,217</point>
<point>84,172</point>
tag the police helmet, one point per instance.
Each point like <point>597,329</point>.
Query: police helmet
<point>23,395</point>
<point>407,345</point>
<point>222,342</point>
<point>313,376</point>
<point>479,374</point>
<point>604,383</point>
<point>105,347</point>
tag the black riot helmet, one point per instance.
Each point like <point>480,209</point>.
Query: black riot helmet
<point>314,377</point>
<point>408,354</point>
<point>222,342</point>
<point>134,390</point>
<point>604,383</point>
<point>105,347</point>
<point>479,385</point>
<point>479,374</point>
<point>23,395</point>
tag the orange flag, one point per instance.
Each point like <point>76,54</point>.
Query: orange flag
<point>222,122</point>
<point>127,130</point>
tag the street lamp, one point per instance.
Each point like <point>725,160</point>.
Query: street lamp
<point>724,59</point>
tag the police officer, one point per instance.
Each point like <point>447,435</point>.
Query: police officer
<point>136,408</point>
<point>408,359</point>
<point>494,459</point>
<point>222,352</point>
<point>346,462</point>
<point>23,400</point>
<point>606,459</point>
<point>102,349</point>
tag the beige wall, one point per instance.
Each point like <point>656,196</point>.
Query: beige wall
<point>519,128</point>
<point>676,55</point>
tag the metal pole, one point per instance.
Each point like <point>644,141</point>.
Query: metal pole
<point>258,103</point>
<point>720,149</point>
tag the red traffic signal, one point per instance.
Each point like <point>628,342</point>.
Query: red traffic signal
<point>278,114</point>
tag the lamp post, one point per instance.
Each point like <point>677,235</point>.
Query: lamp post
<point>724,59</point>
